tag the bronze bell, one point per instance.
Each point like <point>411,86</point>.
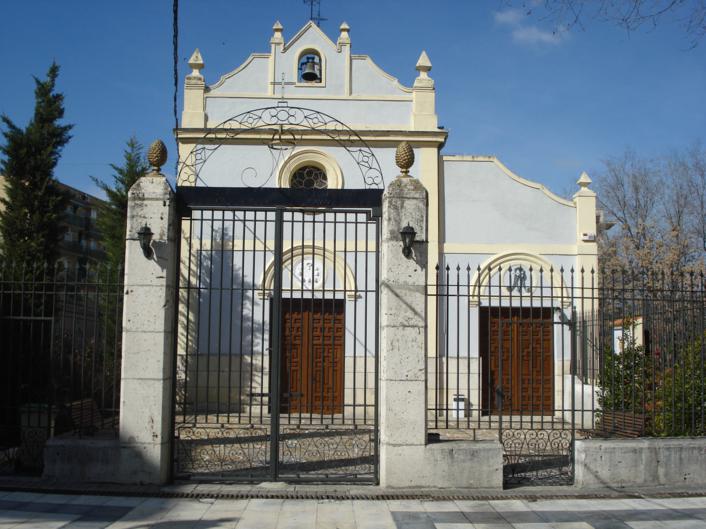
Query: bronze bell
<point>311,71</point>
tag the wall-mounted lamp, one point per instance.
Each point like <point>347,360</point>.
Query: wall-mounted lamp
<point>408,234</point>
<point>144,235</point>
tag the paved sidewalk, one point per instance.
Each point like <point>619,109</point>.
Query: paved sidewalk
<point>26,510</point>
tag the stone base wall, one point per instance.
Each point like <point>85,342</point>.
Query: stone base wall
<point>640,462</point>
<point>451,465</point>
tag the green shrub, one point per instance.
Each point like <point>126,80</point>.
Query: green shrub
<point>627,377</point>
<point>680,398</point>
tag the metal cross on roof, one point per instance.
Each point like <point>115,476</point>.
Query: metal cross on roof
<point>316,18</point>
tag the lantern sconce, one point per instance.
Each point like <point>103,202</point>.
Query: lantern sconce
<point>408,234</point>
<point>144,235</point>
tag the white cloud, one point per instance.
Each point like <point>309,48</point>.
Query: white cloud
<point>527,34</point>
<point>535,35</point>
<point>509,17</point>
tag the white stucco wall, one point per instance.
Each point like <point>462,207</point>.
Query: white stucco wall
<point>356,114</point>
<point>233,165</point>
<point>484,204</point>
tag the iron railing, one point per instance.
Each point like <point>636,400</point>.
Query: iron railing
<point>60,342</point>
<point>542,356</point>
<point>276,356</point>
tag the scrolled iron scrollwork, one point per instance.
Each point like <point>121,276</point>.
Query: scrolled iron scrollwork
<point>538,456</point>
<point>222,450</point>
<point>289,123</point>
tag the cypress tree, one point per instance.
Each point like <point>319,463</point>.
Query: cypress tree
<point>30,225</point>
<point>112,217</point>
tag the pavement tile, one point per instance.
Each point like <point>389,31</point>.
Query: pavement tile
<point>297,520</point>
<point>609,524</point>
<point>9,517</point>
<point>559,516</point>
<point>228,504</point>
<point>416,525</point>
<point>485,517</point>
<point>438,506</point>
<point>410,516</point>
<point>124,501</point>
<point>679,503</point>
<point>474,506</point>
<point>90,500</point>
<point>405,505</point>
<point>644,503</point>
<point>265,504</point>
<point>83,524</point>
<point>562,505</point>
<point>509,505</point>
<point>23,496</point>
<point>341,524</point>
<point>299,505</point>
<point>258,519</point>
<point>448,517</point>
<point>521,517</point>
<point>44,520</point>
<point>370,505</point>
<point>56,498</point>
<point>685,524</point>
<point>444,525</point>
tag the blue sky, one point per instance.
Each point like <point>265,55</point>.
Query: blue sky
<point>548,105</point>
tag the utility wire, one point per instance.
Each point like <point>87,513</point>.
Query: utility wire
<point>175,53</point>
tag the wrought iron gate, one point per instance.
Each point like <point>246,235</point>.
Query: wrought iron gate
<point>504,366</point>
<point>277,346</point>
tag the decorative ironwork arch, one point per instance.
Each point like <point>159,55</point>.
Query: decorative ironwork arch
<point>288,121</point>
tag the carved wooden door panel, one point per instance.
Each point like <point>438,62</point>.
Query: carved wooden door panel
<point>520,339</point>
<point>312,375</point>
<point>326,349</point>
<point>294,373</point>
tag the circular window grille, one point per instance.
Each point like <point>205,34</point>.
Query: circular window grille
<point>309,177</point>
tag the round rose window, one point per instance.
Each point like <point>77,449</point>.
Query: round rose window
<point>309,177</point>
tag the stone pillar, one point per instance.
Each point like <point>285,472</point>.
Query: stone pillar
<point>405,458</point>
<point>402,325</point>
<point>276,45</point>
<point>148,330</point>
<point>586,229</point>
<point>424,97</point>
<point>194,115</point>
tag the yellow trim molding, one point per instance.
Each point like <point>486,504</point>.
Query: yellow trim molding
<point>488,269</point>
<point>341,268</point>
<point>334,175</point>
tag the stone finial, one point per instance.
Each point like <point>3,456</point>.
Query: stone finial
<point>157,156</point>
<point>344,37</point>
<point>423,81</point>
<point>584,180</point>
<point>277,37</point>
<point>423,64</point>
<point>196,63</point>
<point>404,158</point>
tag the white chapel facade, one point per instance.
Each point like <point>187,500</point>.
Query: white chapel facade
<point>481,216</point>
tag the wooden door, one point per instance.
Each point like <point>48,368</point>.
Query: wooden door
<point>518,361</point>
<point>313,334</point>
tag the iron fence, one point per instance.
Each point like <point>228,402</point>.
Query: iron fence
<point>542,356</point>
<point>60,343</point>
<point>277,350</point>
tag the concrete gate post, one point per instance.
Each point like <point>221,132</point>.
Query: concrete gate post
<point>406,460</point>
<point>148,329</point>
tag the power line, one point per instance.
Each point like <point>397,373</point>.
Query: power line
<point>175,54</point>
